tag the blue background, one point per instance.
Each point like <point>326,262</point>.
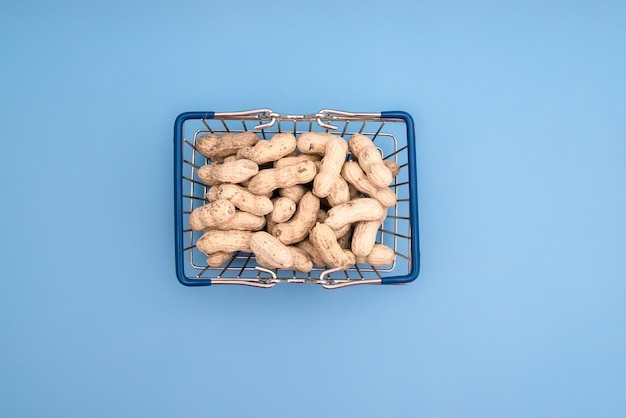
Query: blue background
<point>520,116</point>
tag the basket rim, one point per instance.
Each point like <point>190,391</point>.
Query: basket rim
<point>385,115</point>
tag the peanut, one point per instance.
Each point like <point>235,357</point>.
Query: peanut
<point>370,160</point>
<point>285,161</point>
<point>334,157</point>
<point>284,208</point>
<point>299,226</point>
<point>313,142</point>
<point>353,174</point>
<point>214,240</point>
<point>381,255</point>
<point>323,238</point>
<point>241,198</point>
<point>364,237</point>
<point>270,250</point>
<point>340,193</point>
<point>230,172</point>
<point>364,209</point>
<point>294,193</point>
<point>275,178</point>
<point>243,221</point>
<point>263,152</point>
<point>215,146</point>
<point>343,231</point>
<point>218,258</point>
<point>229,159</point>
<point>312,252</point>
<point>266,262</point>
<point>213,214</point>
<point>393,167</point>
<point>205,174</point>
<point>301,261</point>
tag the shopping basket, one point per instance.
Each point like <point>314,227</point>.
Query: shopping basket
<point>392,133</point>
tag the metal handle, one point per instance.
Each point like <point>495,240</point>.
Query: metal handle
<point>322,118</point>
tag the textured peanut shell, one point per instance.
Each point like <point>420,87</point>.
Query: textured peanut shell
<point>370,160</point>
<point>292,160</point>
<point>313,142</point>
<point>340,193</point>
<point>294,193</point>
<point>215,146</point>
<point>330,167</point>
<point>218,258</point>
<point>393,167</point>
<point>354,175</point>
<point>263,152</point>
<point>284,208</point>
<point>275,178</point>
<point>243,221</point>
<point>364,237</point>
<point>205,174</point>
<point>220,160</point>
<point>212,214</point>
<point>301,260</point>
<point>343,231</point>
<point>358,210</point>
<point>323,238</point>
<point>241,198</point>
<point>303,220</point>
<point>381,255</point>
<point>313,253</point>
<point>271,250</point>
<point>268,263</point>
<point>232,171</point>
<point>215,240</point>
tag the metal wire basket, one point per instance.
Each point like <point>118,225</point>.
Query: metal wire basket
<point>392,133</point>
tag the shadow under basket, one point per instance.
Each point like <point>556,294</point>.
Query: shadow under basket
<point>391,132</point>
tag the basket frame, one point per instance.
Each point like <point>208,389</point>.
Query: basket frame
<point>324,118</point>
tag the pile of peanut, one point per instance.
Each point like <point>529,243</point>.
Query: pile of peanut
<point>294,203</point>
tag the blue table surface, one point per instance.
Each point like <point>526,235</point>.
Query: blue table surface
<point>519,309</point>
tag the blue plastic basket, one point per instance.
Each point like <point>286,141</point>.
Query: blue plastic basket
<point>392,132</point>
